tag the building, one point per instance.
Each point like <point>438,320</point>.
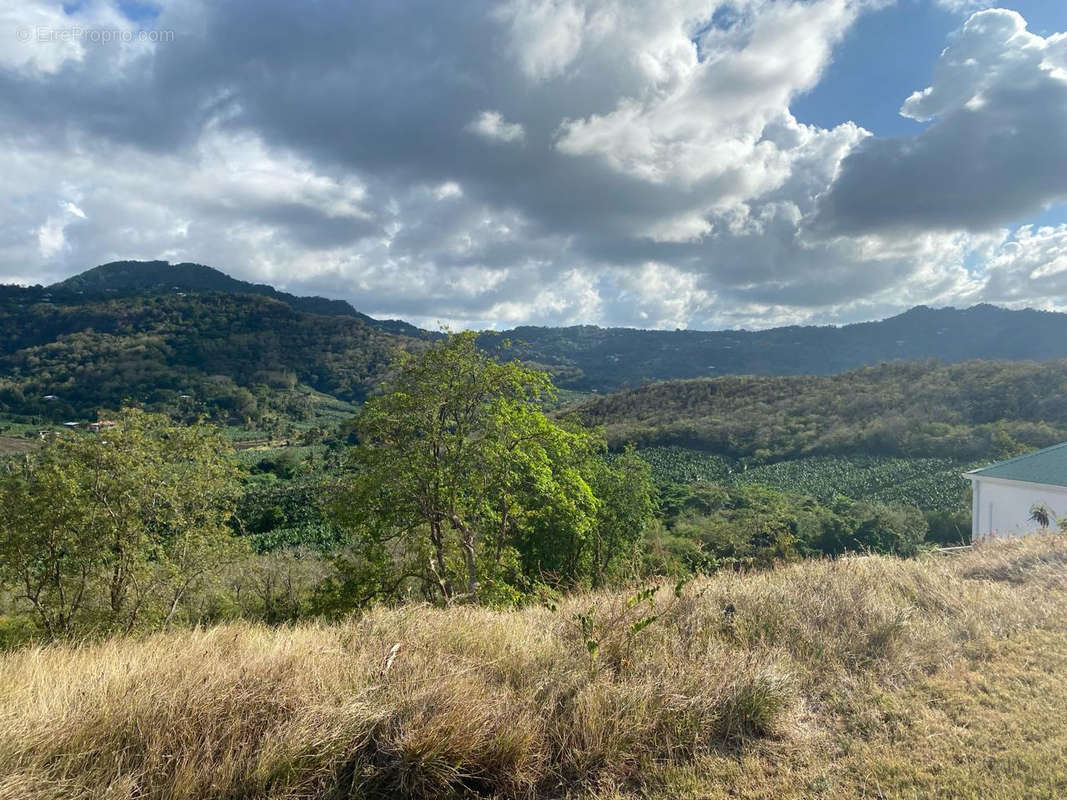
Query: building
<point>1006,494</point>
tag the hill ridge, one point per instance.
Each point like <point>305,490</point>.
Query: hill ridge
<point>122,278</point>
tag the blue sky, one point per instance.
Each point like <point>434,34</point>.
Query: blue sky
<point>652,163</point>
<point>891,52</point>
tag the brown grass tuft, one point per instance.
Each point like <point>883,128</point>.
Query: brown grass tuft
<point>516,704</point>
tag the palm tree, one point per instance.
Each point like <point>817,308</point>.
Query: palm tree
<point>1042,515</point>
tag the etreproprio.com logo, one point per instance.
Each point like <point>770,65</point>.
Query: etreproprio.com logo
<point>47,35</point>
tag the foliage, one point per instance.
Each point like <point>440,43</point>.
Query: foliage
<point>928,483</point>
<point>590,358</point>
<point>234,357</point>
<point>948,528</point>
<point>626,493</point>
<point>131,278</point>
<point>709,526</point>
<point>964,412</point>
<point>110,530</point>
<point>458,459</point>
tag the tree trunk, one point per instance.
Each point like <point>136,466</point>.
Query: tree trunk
<point>437,563</point>
<point>466,542</point>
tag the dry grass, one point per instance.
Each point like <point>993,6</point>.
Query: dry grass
<point>991,728</point>
<point>511,704</point>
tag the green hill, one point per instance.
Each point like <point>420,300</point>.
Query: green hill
<point>126,278</point>
<point>152,332</point>
<point>232,356</point>
<point>968,411</point>
<point>608,359</point>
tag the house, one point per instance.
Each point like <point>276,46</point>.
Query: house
<point>1005,494</point>
<point>104,424</point>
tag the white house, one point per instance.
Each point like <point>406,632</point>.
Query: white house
<point>1004,494</point>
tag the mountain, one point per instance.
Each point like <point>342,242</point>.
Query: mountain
<point>234,357</point>
<point>127,278</point>
<point>590,358</point>
<point>607,359</point>
<point>153,331</point>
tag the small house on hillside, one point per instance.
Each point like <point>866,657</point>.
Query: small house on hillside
<point>1005,494</point>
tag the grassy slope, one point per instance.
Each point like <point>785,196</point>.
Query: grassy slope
<point>863,677</point>
<point>995,726</point>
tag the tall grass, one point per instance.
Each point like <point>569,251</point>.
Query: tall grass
<point>422,702</point>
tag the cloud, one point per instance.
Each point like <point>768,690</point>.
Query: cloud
<point>627,162</point>
<point>963,6</point>
<point>491,125</point>
<point>996,148</point>
<point>1029,267</point>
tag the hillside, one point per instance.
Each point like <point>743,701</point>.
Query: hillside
<point>211,351</point>
<point>131,278</point>
<point>151,332</point>
<point>861,677</point>
<point>590,358</point>
<point>977,409</point>
<point>607,359</point>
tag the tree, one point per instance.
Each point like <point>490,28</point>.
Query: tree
<point>458,461</point>
<point>105,530</point>
<point>1042,515</point>
<point>626,492</point>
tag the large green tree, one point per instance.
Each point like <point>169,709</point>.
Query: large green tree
<point>459,468</point>
<point>109,530</point>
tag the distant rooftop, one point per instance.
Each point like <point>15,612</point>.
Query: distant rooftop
<point>1042,466</point>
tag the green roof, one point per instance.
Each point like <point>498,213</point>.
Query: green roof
<point>1042,466</point>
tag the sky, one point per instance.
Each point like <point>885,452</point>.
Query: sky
<point>660,164</point>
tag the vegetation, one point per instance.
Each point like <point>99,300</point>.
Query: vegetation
<point>821,678</point>
<point>463,485</point>
<point>537,614</point>
<point>236,358</point>
<point>131,278</point>
<point>102,533</point>
<point>981,729</point>
<point>596,359</point>
<point>965,412</point>
<point>459,488</point>
<point>150,332</point>
<point>934,484</point>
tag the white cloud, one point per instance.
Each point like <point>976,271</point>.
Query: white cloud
<point>492,125</point>
<point>699,107</point>
<point>41,38</point>
<point>964,6</point>
<point>1029,267</point>
<point>50,238</point>
<point>545,34</point>
<point>649,171</point>
<point>73,209</point>
<point>995,151</point>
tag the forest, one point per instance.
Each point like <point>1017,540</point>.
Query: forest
<point>233,353</point>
